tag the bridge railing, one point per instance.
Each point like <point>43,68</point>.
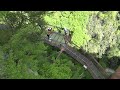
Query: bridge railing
<point>59,44</point>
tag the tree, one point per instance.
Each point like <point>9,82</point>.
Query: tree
<point>102,30</point>
<point>57,71</point>
<point>20,19</point>
<point>2,62</point>
<point>15,20</point>
<point>23,55</point>
<point>36,18</point>
<point>2,16</point>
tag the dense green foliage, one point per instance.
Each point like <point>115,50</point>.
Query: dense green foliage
<point>74,21</point>
<point>23,55</point>
<point>30,58</point>
<point>104,32</point>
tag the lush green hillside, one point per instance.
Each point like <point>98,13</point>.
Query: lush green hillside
<point>24,55</point>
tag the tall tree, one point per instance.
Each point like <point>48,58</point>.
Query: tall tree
<point>102,29</point>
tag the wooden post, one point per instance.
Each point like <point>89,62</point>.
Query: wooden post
<point>62,49</point>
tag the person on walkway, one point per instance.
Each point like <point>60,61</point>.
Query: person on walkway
<point>70,36</point>
<point>49,31</point>
<point>67,36</point>
<point>85,67</point>
<point>66,31</point>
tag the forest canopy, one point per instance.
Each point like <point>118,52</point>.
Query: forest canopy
<point>24,55</point>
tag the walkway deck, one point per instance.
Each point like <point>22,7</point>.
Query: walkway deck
<point>58,41</point>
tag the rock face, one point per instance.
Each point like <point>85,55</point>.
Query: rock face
<point>116,75</point>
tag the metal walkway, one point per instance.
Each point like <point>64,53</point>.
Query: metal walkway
<point>58,41</point>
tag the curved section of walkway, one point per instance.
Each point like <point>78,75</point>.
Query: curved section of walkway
<point>57,40</point>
